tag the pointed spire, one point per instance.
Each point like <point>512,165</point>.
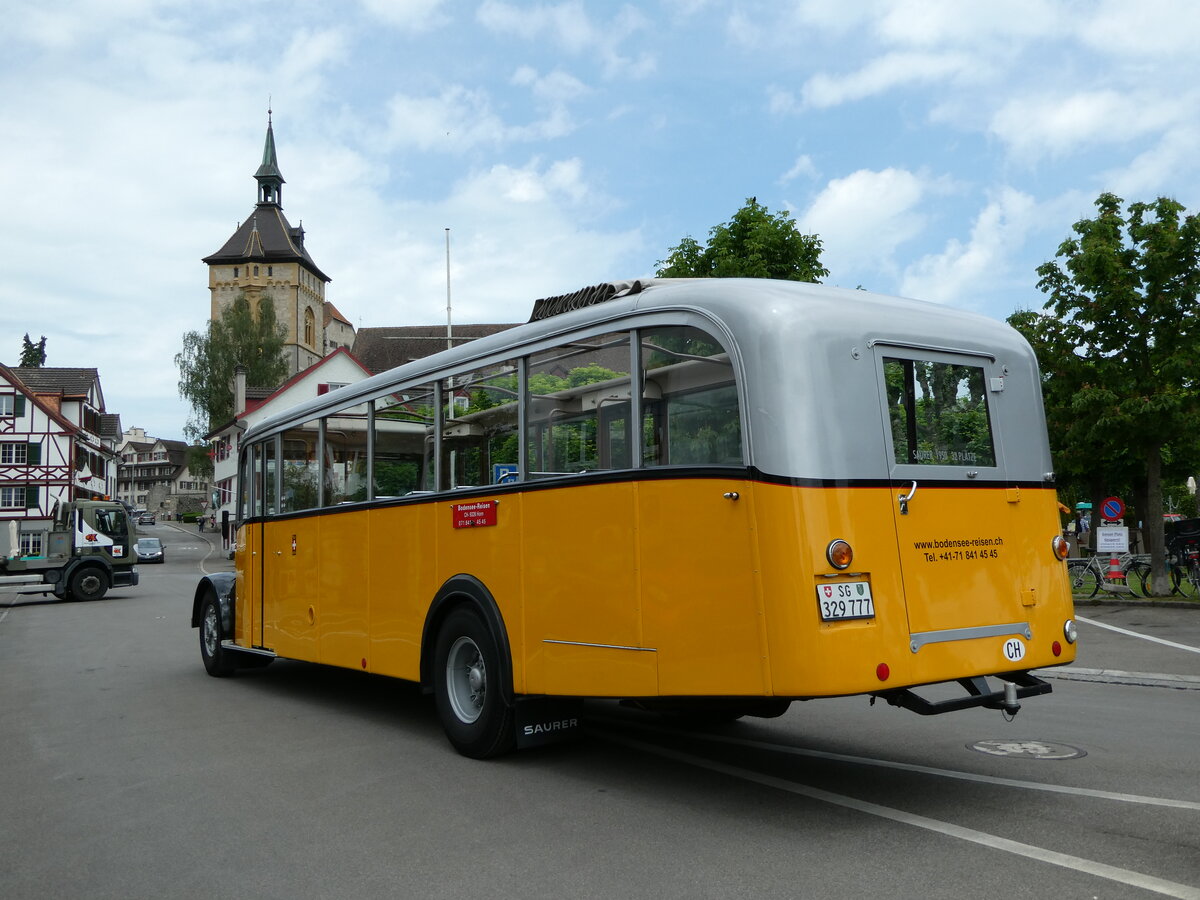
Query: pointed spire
<point>270,179</point>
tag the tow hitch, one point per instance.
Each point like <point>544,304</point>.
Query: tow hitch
<point>979,693</point>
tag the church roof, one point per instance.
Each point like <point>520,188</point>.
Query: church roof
<point>267,236</point>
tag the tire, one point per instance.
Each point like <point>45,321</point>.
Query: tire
<point>218,662</point>
<point>467,687</point>
<point>1141,580</point>
<point>1084,582</point>
<point>89,583</point>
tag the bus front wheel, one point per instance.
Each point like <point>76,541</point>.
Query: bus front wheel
<point>217,660</point>
<point>467,687</point>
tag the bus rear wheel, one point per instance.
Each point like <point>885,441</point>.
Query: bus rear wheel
<point>218,661</point>
<point>467,687</point>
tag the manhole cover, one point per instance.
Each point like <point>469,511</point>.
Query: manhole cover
<point>1027,749</point>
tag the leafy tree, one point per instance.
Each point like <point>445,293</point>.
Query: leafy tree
<point>1119,341</point>
<point>755,243</point>
<point>33,356</point>
<point>241,336</point>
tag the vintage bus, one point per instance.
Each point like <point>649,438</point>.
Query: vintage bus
<point>711,496</point>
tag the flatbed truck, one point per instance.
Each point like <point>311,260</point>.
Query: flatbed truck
<point>88,550</point>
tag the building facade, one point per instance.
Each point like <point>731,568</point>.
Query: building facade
<point>57,444</point>
<point>153,474</point>
<point>266,258</point>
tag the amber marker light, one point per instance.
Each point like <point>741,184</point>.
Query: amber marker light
<point>839,554</point>
<point>1061,549</point>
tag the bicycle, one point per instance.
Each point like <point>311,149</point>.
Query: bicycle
<point>1183,567</point>
<point>1088,574</point>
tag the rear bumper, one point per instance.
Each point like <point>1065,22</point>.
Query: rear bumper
<point>1016,685</point>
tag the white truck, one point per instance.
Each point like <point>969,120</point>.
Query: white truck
<point>88,549</point>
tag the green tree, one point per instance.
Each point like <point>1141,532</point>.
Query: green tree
<point>241,336</point>
<point>1120,341</point>
<point>755,243</point>
<point>33,356</point>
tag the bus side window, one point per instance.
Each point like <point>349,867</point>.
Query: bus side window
<point>403,442</point>
<point>479,428</point>
<point>344,463</point>
<point>578,407</point>
<point>301,468</point>
<point>690,409</point>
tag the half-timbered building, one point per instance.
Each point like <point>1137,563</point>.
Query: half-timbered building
<point>54,446</point>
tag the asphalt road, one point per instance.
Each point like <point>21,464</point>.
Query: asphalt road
<point>130,773</point>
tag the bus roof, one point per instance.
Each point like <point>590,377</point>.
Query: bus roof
<point>811,332</point>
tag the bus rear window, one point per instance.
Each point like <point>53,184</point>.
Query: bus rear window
<point>938,413</point>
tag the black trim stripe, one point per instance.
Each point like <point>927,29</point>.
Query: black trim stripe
<point>658,473</point>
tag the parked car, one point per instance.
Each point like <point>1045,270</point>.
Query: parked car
<point>150,550</point>
<point>146,518</point>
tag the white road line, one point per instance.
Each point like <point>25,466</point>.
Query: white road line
<point>1144,637</point>
<point>995,842</point>
<point>1143,800</point>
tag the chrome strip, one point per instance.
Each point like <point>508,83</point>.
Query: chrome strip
<point>601,646</point>
<point>917,641</point>
<point>257,651</point>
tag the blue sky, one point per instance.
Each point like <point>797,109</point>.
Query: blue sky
<point>941,150</point>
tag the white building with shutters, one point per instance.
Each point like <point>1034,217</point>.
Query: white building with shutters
<point>55,446</point>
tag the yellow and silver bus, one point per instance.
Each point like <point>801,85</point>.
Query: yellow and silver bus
<point>714,496</point>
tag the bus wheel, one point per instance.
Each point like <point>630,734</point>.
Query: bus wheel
<point>467,687</point>
<point>217,660</point>
<point>88,584</point>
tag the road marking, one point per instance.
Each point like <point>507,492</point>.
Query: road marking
<point>1143,800</point>
<point>1144,637</point>
<point>995,842</point>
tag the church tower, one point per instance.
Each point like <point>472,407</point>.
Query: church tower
<point>265,257</point>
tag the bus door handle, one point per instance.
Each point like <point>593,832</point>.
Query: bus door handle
<point>904,498</point>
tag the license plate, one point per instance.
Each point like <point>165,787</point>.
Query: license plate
<point>845,600</point>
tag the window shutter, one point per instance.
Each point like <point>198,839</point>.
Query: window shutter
<point>322,389</point>
<point>34,454</point>
<point>19,405</point>
<point>31,496</point>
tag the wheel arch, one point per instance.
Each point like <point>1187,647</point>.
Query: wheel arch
<point>222,584</point>
<point>466,590</point>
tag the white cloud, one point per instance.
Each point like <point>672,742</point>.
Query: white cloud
<point>961,272</point>
<point>802,167</point>
<point>570,28</point>
<point>554,87</point>
<point>885,73</point>
<point>1041,124</point>
<point>407,15</point>
<point>1145,30</point>
<point>929,23</point>
<point>460,119</point>
<point>863,218</point>
<point>518,232</point>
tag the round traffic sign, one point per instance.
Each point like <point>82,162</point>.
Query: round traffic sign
<point>1112,508</point>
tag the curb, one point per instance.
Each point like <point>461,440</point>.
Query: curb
<point>1135,601</point>
<point>1118,676</point>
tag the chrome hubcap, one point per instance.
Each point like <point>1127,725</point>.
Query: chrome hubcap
<point>466,680</point>
<point>210,631</point>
